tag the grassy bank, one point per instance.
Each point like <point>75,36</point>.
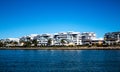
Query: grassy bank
<point>60,48</point>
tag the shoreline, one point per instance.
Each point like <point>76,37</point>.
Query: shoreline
<point>60,48</point>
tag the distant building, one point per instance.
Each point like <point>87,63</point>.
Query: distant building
<point>68,37</point>
<point>97,42</point>
<point>112,38</point>
<point>14,39</point>
<point>87,37</point>
<point>62,38</point>
<point>43,39</point>
<point>10,41</point>
<point>27,38</point>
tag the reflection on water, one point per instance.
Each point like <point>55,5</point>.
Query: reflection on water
<point>60,60</point>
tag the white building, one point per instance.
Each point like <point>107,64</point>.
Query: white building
<point>70,37</point>
<point>88,36</point>
<point>112,38</point>
<point>14,39</point>
<point>11,41</point>
<point>75,38</point>
<point>28,37</point>
<point>43,39</point>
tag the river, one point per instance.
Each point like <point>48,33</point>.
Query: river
<point>59,60</point>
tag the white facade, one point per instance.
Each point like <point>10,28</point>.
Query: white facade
<point>71,37</point>
<point>28,37</point>
<point>75,38</point>
<point>88,36</point>
<point>112,38</point>
<point>43,39</point>
<point>14,39</point>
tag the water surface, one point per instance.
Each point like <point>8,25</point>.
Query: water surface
<point>59,61</point>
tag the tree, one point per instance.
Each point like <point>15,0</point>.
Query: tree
<point>35,42</point>
<point>49,41</point>
<point>27,44</point>
<point>28,39</point>
<point>1,44</point>
<point>15,42</point>
<point>63,41</point>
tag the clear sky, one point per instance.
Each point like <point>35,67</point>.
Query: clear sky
<point>24,17</point>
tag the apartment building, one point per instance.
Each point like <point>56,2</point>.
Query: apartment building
<point>87,37</point>
<point>43,39</point>
<point>69,37</point>
<point>112,37</point>
<point>62,38</point>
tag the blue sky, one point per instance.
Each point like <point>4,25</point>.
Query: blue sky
<point>24,17</point>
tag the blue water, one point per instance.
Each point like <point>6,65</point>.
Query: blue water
<point>59,61</point>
